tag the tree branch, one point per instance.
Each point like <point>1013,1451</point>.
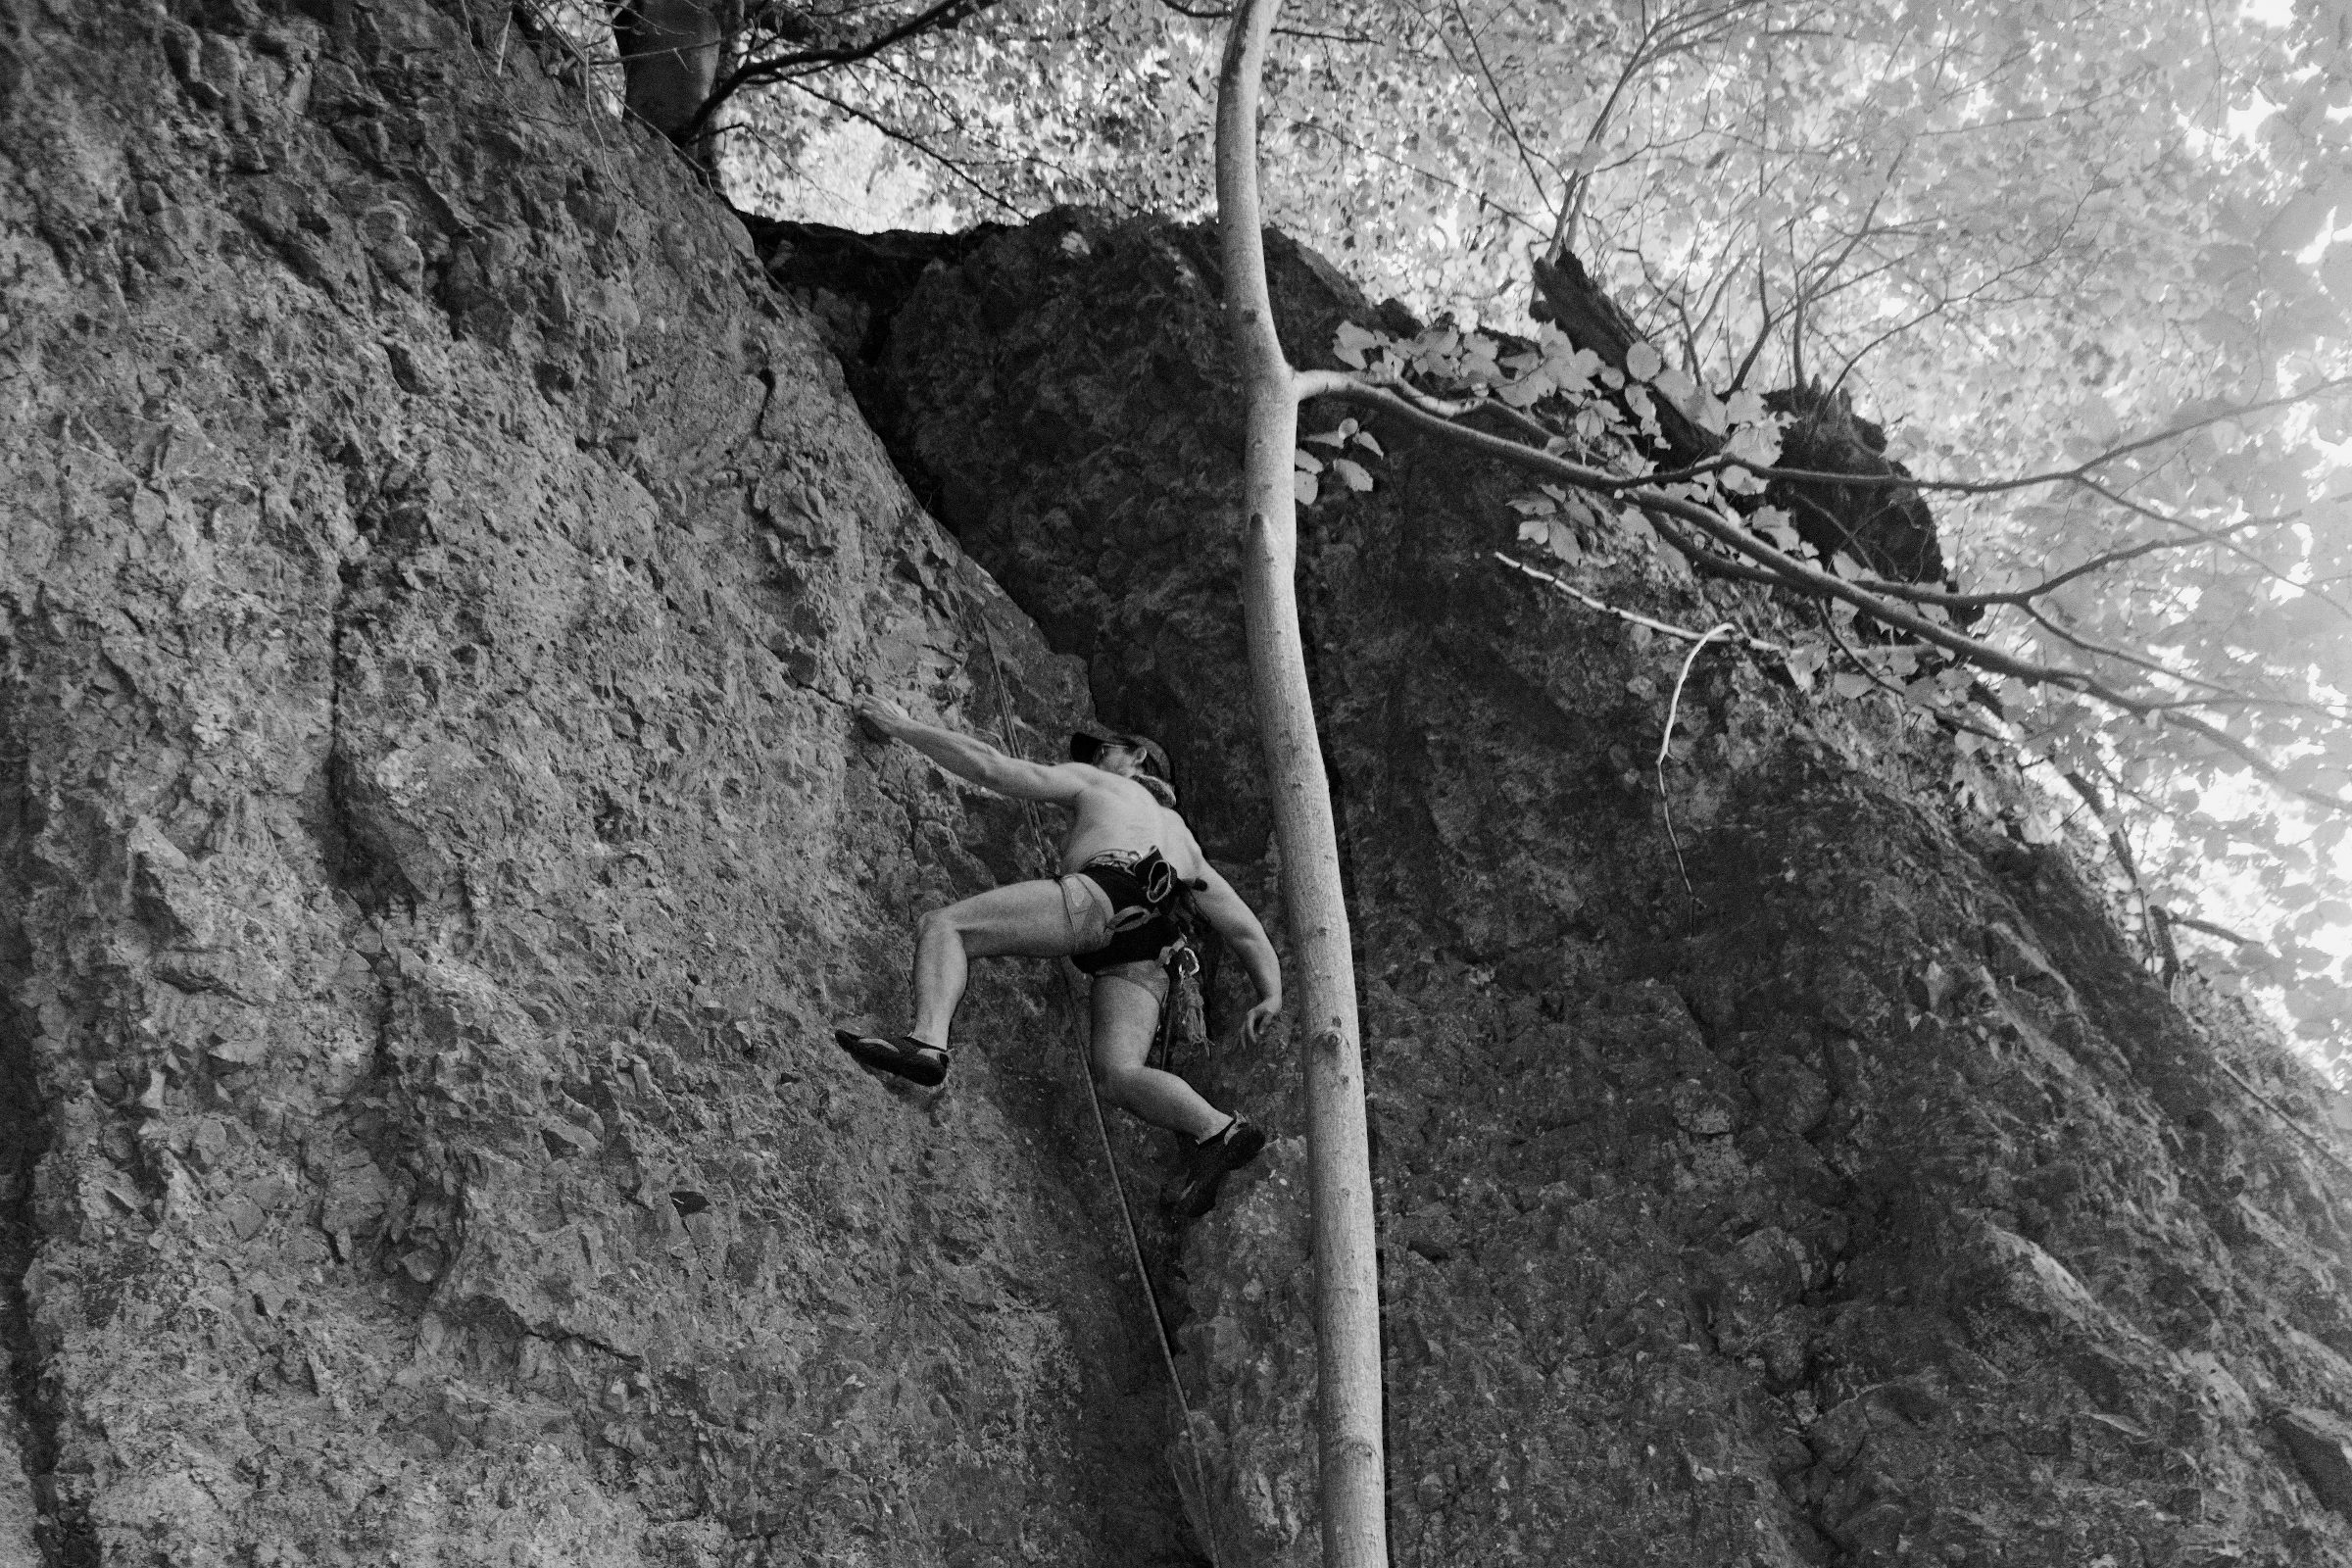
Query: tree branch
<point>1279,33</point>
<point>2101,650</point>
<point>2208,927</point>
<point>2080,474</point>
<point>2021,597</point>
<point>939,17</point>
<point>2222,540</point>
<point>1913,593</point>
<point>1635,618</point>
<point>914,142</point>
<point>1503,106</point>
<point>1789,572</point>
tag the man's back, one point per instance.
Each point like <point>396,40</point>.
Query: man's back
<point>1118,814</point>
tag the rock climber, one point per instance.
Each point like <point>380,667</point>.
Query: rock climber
<point>1127,863</point>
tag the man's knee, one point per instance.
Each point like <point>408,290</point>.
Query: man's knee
<point>939,925</point>
<point>1117,1080</point>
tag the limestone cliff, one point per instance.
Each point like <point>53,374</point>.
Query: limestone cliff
<point>432,839</point>
<point>434,564</point>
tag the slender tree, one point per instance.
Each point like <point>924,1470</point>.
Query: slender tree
<point>1339,1155</point>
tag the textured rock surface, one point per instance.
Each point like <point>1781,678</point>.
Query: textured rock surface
<point>1866,1205</point>
<point>434,568</point>
<point>2322,1445</point>
<point>434,565</point>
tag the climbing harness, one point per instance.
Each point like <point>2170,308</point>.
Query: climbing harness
<point>1135,1245</point>
<point>1151,913</point>
<point>1145,895</point>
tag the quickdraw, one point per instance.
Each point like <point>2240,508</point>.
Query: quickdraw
<point>1183,965</point>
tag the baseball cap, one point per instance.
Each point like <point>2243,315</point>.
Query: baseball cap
<point>1087,745</point>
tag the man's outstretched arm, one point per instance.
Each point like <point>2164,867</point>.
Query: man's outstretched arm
<point>971,758</point>
<point>1232,918</point>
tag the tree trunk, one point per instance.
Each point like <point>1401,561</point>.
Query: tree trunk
<point>670,52</point>
<point>1340,1174</point>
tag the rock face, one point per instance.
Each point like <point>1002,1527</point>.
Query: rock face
<point>1858,1200</point>
<point>434,568</point>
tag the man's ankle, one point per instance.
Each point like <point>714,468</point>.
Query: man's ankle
<point>1205,1139</point>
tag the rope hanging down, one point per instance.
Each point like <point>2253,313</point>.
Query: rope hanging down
<point>1093,1095</point>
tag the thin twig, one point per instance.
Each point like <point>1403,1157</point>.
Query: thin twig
<point>908,139</point>
<point>941,17</point>
<point>2108,651</point>
<point>1666,747</point>
<point>1635,618</point>
<point>2080,474</point>
<point>2220,540</point>
<point>1503,106</point>
<point>2049,585</point>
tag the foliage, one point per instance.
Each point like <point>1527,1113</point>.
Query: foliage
<point>1556,395</point>
<point>2028,235</point>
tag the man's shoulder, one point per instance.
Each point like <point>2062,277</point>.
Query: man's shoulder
<point>1179,834</point>
<point>1107,791</point>
<point>1101,776</point>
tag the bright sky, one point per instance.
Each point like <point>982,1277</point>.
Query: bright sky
<point>850,177</point>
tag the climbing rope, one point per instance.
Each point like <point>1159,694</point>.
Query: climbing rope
<point>1093,1095</point>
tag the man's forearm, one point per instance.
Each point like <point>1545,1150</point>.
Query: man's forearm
<point>1256,954</point>
<point>974,760</point>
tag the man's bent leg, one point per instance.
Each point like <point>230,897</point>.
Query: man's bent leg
<point>1024,920</point>
<point>1125,1015</point>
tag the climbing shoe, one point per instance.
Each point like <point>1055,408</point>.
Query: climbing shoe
<point>1209,1161</point>
<point>910,1058</point>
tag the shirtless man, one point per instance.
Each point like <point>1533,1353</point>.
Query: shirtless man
<point>1126,850</point>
